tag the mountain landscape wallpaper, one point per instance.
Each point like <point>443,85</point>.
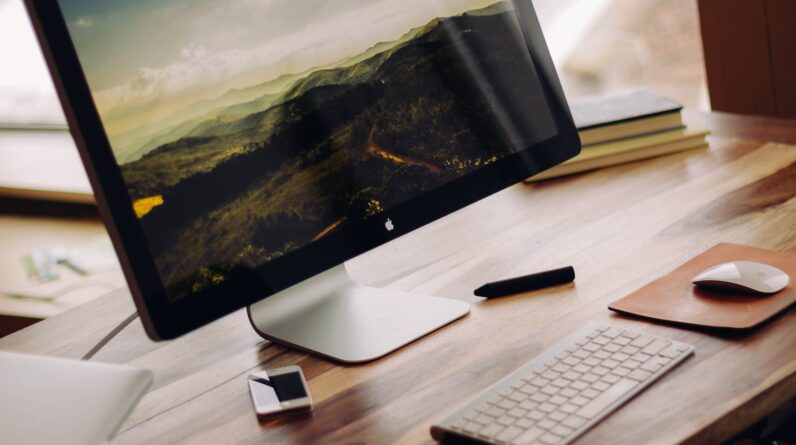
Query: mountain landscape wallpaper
<point>240,142</point>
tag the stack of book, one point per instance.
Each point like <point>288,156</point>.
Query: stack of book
<point>627,128</point>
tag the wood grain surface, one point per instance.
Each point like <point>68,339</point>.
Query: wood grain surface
<point>619,227</point>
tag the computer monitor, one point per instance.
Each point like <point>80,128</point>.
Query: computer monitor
<point>242,150</point>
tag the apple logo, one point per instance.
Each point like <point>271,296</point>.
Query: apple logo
<point>389,225</point>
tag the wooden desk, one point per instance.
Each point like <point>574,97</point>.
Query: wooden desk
<point>619,227</point>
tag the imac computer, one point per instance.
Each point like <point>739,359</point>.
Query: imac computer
<point>241,152</point>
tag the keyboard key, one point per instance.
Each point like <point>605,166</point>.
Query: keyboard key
<point>508,434</point>
<point>590,378</point>
<point>621,341</point>
<point>524,423</point>
<point>494,411</point>
<point>483,419</point>
<point>592,361</point>
<point>574,422</point>
<point>550,390</point>
<point>517,396</point>
<point>605,399</point>
<point>540,382</point>
<point>572,361</point>
<point>506,420</point>
<point>528,405</point>
<point>528,437</point>
<point>539,397</point>
<point>662,360</point>
<point>471,428</point>
<point>609,363</point>
<point>568,393</point>
<point>550,439</point>
<point>557,400</point>
<point>561,430</point>
<point>572,375</point>
<point>642,341</point>
<point>518,412</point>
<point>491,430</point>
<point>546,424</point>
<point>506,404</point>
<point>547,408</point>
<point>631,335</point>
<point>600,386</point>
<point>562,368</point>
<point>601,355</point>
<point>651,366</point>
<point>459,424</point>
<point>669,353</point>
<point>592,347</point>
<point>621,371</point>
<point>599,371</point>
<point>655,347</point>
<point>602,340</point>
<point>592,393</point>
<point>620,356</point>
<point>557,416</point>
<point>613,332</point>
<point>494,400</point>
<point>568,408</point>
<point>581,368</point>
<point>580,400</point>
<point>632,364</point>
<point>581,354</point>
<point>638,375</point>
<point>536,415</point>
<point>611,348</point>
<point>551,375</point>
<point>610,378</point>
<point>630,350</point>
<point>579,385</point>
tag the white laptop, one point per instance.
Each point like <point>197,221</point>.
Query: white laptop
<point>45,400</point>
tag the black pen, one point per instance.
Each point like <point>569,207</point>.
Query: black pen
<point>527,283</point>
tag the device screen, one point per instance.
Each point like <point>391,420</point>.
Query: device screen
<point>245,133</point>
<point>288,386</point>
<point>276,389</point>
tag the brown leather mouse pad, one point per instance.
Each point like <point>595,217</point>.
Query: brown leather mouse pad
<point>673,298</point>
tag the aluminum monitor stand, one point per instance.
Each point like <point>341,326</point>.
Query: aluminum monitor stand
<point>331,315</point>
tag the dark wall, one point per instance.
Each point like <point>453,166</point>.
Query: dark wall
<point>750,55</point>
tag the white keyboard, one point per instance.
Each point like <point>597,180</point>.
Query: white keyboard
<point>563,392</point>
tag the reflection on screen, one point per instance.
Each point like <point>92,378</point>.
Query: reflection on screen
<point>246,130</point>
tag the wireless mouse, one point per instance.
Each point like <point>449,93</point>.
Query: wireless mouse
<point>744,276</point>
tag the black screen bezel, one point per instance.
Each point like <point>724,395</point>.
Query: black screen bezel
<point>163,319</point>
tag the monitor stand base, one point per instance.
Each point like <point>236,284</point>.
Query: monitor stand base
<point>332,316</point>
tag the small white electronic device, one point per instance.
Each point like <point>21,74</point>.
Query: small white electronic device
<point>279,390</point>
<point>46,400</point>
<point>744,276</point>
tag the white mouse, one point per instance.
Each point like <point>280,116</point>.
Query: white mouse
<point>743,276</point>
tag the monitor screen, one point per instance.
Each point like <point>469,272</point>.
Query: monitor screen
<point>255,137</point>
